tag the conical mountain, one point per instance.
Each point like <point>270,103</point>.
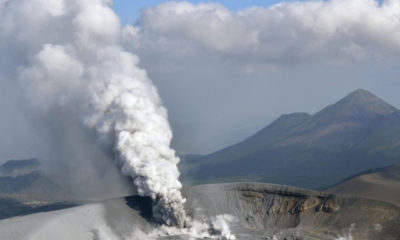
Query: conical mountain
<point>356,106</point>
<point>344,121</point>
<point>363,102</point>
<point>359,132</point>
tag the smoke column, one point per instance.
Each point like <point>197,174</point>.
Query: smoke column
<point>68,54</point>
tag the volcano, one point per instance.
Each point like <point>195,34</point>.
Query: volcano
<point>359,132</point>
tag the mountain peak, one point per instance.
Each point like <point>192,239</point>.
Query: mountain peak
<point>363,101</point>
<point>362,95</point>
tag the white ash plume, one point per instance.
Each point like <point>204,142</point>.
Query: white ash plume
<point>68,54</point>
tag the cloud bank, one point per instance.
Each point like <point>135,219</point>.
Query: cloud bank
<point>237,70</point>
<point>284,33</point>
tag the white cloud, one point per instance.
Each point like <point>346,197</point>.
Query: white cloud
<point>131,37</point>
<point>211,25</point>
<point>224,74</point>
<point>286,32</point>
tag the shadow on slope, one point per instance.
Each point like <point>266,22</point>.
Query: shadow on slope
<point>143,205</point>
<point>380,184</point>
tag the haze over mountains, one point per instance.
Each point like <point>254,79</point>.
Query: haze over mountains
<point>26,177</point>
<point>359,132</point>
<point>315,151</point>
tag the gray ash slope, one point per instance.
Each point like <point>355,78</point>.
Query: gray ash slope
<point>263,211</point>
<point>26,187</point>
<point>359,132</point>
<point>380,184</point>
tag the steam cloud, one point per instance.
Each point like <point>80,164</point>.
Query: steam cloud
<point>68,54</point>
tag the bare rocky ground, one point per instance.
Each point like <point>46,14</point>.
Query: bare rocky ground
<point>260,211</point>
<point>293,213</point>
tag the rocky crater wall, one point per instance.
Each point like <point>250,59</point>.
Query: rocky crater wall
<point>268,206</point>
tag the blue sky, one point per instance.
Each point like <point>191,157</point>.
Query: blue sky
<point>129,10</point>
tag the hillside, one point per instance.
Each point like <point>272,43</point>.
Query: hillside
<point>256,211</point>
<point>18,167</point>
<point>379,184</point>
<point>359,132</point>
<point>27,177</point>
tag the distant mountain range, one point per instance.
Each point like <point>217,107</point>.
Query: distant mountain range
<point>359,132</point>
<point>18,167</point>
<point>26,189</point>
<point>26,177</point>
